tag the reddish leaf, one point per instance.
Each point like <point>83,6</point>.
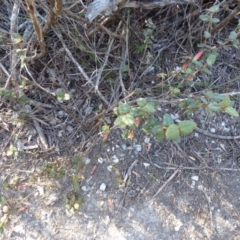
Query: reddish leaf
<point>149,147</point>
<point>137,121</point>
<point>93,169</point>
<point>105,136</point>
<point>190,78</point>
<point>198,55</point>
<point>185,65</point>
<point>131,135</point>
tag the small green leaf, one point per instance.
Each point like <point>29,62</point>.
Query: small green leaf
<point>167,120</point>
<point>186,126</point>
<point>159,134</point>
<point>77,158</point>
<point>52,173</point>
<point>153,121</point>
<point>174,90</point>
<point>207,34</point>
<point>214,9</point>
<point>1,229</point>
<point>115,111</point>
<point>197,63</point>
<point>214,107</point>
<point>141,102</point>
<point>204,18</point>
<point>172,132</point>
<point>76,187</point>
<point>60,94</point>
<point>226,101</point>
<point>62,173</point>
<point>140,48</point>
<point>149,108</point>
<point>157,129</point>
<point>138,112</point>
<point>220,42</point>
<point>215,20</point>
<point>128,119</point>
<point>207,71</point>
<point>147,127</point>
<point>188,71</point>
<point>214,96</point>
<point>123,108</point>
<point>125,69</point>
<point>233,35</point>
<point>211,59</point>
<point>231,111</point>
<point>137,91</point>
<point>203,100</point>
<point>119,123</point>
<point>191,103</point>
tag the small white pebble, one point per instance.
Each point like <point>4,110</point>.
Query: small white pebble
<point>60,133</point>
<point>5,209</point>
<point>109,168</point>
<point>103,187</point>
<point>124,147</point>
<point>146,165</point>
<point>69,129</point>
<point>195,178</point>
<point>174,116</point>
<point>115,159</point>
<point>86,160</point>
<point>100,160</point>
<point>177,68</point>
<point>213,130</point>
<point>84,188</point>
<point>147,140</point>
<point>138,148</point>
<point>40,190</point>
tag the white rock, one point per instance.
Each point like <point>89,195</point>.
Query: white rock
<point>103,187</point>
<point>177,68</point>
<point>40,190</point>
<point>147,140</point>
<point>213,130</point>
<point>115,159</point>
<point>69,129</point>
<point>124,147</point>
<point>177,228</point>
<point>138,147</point>
<point>109,168</point>
<point>174,117</point>
<point>195,178</point>
<point>146,165</point>
<point>84,188</point>
<point>86,160</point>
<point>100,160</point>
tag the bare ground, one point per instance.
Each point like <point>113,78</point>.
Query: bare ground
<point>72,185</point>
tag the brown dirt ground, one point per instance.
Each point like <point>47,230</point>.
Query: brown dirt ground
<point>189,190</point>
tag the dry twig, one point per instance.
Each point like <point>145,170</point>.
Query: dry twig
<point>37,27</point>
<point>165,184</point>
